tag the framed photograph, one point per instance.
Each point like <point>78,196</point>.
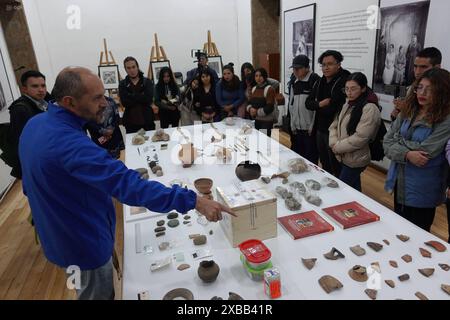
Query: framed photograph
<point>6,94</point>
<point>156,67</point>
<point>299,37</point>
<point>109,76</point>
<point>216,64</point>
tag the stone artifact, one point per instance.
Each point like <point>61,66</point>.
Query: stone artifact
<point>193,236</point>
<point>160,223</point>
<point>137,140</point>
<point>208,271</point>
<point>299,187</point>
<point>427,272</point>
<point>163,246</point>
<point>283,175</point>
<point>203,185</point>
<point>152,164</point>
<point>179,293</point>
<point>331,183</point>
<point>141,171</point>
<point>330,284</point>
<point>145,176</point>
<point>172,215</point>
<point>402,237</point>
<point>155,169</point>
<point>407,258</point>
<point>187,222</point>
<point>446,288</point>
<point>390,283</point>
<point>160,234</point>
<point>216,298</point>
<point>421,296</point>
<point>292,204</point>
<point>371,293</point>
<point>358,250</point>
<point>285,181</point>
<point>224,154</point>
<point>200,240</point>
<point>313,185</point>
<point>403,277</point>
<point>444,266</point>
<point>282,192</point>
<point>187,155</point>
<point>439,247</point>
<point>160,229</point>
<point>334,254</point>
<point>173,223</point>
<point>358,273</point>
<point>234,296</point>
<point>376,266</point>
<point>159,173</point>
<point>309,263</point>
<point>387,242</point>
<point>186,217</point>
<point>248,170</point>
<point>211,232</point>
<point>183,266</point>
<point>160,135</point>
<point>393,264</point>
<point>375,246</point>
<point>314,200</point>
<point>425,253</point>
<point>266,180</point>
<point>297,166</point>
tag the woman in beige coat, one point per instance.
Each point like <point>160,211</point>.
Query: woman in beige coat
<point>354,128</point>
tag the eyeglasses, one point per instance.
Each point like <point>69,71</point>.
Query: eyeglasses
<point>348,90</point>
<point>422,90</point>
<point>328,65</point>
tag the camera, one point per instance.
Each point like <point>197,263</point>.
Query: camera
<point>197,53</point>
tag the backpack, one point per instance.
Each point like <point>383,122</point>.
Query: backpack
<point>376,146</point>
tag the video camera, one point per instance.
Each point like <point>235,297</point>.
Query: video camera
<point>197,53</point>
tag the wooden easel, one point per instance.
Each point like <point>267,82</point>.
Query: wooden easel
<point>157,54</point>
<point>210,47</point>
<point>107,59</point>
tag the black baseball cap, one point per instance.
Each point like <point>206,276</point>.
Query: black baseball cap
<point>300,61</point>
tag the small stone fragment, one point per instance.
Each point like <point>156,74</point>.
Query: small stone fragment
<point>160,223</point>
<point>160,229</point>
<point>193,236</point>
<point>407,258</point>
<point>390,283</point>
<point>444,266</point>
<point>446,288</point>
<point>330,284</point>
<point>187,222</point>
<point>299,187</point>
<point>314,200</point>
<point>421,296</point>
<point>393,263</point>
<point>402,237</point>
<point>137,140</point>
<point>297,166</point>
<point>266,180</point>
<point>376,266</point>
<point>313,184</point>
<point>375,246</point>
<point>309,263</point>
<point>387,242</point>
<point>331,183</point>
<point>358,250</point>
<point>334,254</point>
<point>186,217</point>
<point>163,246</point>
<point>403,277</point>
<point>160,234</point>
<point>283,192</point>
<point>155,169</point>
<point>285,181</point>
<point>159,173</point>
<point>292,204</point>
<point>371,293</point>
<point>216,298</point>
<point>425,253</point>
<point>173,223</point>
<point>200,240</point>
<point>358,273</point>
<point>439,247</point>
<point>172,215</point>
<point>183,266</point>
<point>234,296</point>
<point>427,272</point>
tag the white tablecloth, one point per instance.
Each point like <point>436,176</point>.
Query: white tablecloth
<point>297,281</point>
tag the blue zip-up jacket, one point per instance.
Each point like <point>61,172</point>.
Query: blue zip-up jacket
<point>225,97</point>
<point>69,182</point>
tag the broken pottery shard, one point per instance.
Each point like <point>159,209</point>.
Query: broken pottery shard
<point>387,242</point>
<point>137,140</point>
<point>407,258</point>
<point>160,223</point>
<point>314,200</point>
<point>393,263</point>
<point>436,246</point>
<point>390,283</point>
<point>183,266</point>
<point>371,293</point>
<point>187,222</point>
<point>172,215</point>
<point>334,254</point>
<point>427,272</point>
<point>425,253</point>
<point>313,185</point>
<point>330,284</point>
<point>421,296</point>
<point>160,229</point>
<point>292,204</point>
<point>444,266</point>
<point>358,250</point>
<point>309,263</point>
<point>403,277</point>
<point>234,296</point>
<point>402,237</point>
<point>200,240</point>
<point>358,273</point>
<point>446,288</point>
<point>160,234</point>
<point>376,266</point>
<point>173,223</point>
<point>375,246</point>
<point>192,236</point>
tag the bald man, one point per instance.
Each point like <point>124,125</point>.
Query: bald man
<point>70,182</point>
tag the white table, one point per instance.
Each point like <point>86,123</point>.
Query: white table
<point>297,281</point>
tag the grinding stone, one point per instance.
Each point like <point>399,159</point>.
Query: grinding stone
<point>160,229</point>
<point>173,223</point>
<point>160,223</point>
<point>172,215</point>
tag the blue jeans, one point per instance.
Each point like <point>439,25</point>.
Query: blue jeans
<point>97,284</point>
<point>352,176</point>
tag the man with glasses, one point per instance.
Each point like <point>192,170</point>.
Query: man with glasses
<point>327,98</point>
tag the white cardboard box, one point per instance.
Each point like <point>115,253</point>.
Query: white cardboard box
<point>256,209</point>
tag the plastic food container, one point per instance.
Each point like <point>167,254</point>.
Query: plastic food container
<point>255,275</point>
<point>256,254</point>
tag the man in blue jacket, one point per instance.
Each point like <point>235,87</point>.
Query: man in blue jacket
<point>69,182</point>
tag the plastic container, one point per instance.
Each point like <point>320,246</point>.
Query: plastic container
<point>254,274</point>
<point>255,253</point>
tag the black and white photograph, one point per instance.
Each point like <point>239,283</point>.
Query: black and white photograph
<point>156,67</point>
<point>2,98</point>
<point>400,38</point>
<point>215,63</point>
<point>299,36</point>
<point>110,76</point>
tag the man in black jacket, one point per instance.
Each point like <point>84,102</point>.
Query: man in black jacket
<point>327,99</point>
<point>136,96</point>
<point>31,103</point>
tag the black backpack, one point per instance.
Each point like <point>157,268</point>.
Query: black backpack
<point>376,146</point>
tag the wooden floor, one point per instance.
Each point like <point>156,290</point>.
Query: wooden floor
<point>26,274</point>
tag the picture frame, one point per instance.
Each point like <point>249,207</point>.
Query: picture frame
<point>299,31</point>
<point>6,93</point>
<point>156,67</point>
<point>109,76</point>
<point>215,63</point>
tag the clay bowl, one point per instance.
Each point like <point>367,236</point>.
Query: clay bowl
<point>203,185</point>
<point>187,155</point>
<point>248,170</point>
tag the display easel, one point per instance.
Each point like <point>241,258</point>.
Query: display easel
<point>107,59</point>
<point>157,54</point>
<point>210,47</point>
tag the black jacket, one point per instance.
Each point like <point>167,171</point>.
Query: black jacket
<point>323,90</point>
<point>21,110</point>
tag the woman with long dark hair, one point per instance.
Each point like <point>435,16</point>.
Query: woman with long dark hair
<point>167,98</point>
<point>416,146</point>
<point>229,92</point>
<point>205,97</point>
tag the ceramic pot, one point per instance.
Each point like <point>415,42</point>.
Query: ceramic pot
<point>203,185</point>
<point>248,170</point>
<point>208,271</point>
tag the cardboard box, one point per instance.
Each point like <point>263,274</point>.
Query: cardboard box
<point>256,209</point>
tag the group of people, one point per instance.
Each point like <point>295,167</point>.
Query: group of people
<point>336,119</point>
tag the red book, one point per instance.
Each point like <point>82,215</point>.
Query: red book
<point>302,225</point>
<point>351,214</point>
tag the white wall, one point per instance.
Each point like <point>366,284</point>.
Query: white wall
<point>129,26</point>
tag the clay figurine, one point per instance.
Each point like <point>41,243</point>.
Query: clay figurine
<point>358,273</point>
<point>425,253</point>
<point>309,263</point>
<point>402,237</point>
<point>420,295</point>
<point>313,185</point>
<point>160,135</point>
<point>334,254</point>
<point>330,284</point>
<point>407,258</point>
<point>375,246</point>
<point>179,293</point>
<point>358,250</point>
<point>200,240</point>
<point>403,277</point>
<point>444,266</point>
<point>371,293</point>
<point>439,247</point>
<point>427,272</point>
<point>297,166</point>
<point>208,271</point>
<point>390,283</point>
<point>446,288</point>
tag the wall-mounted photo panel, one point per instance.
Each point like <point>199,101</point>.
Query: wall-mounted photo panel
<point>109,76</point>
